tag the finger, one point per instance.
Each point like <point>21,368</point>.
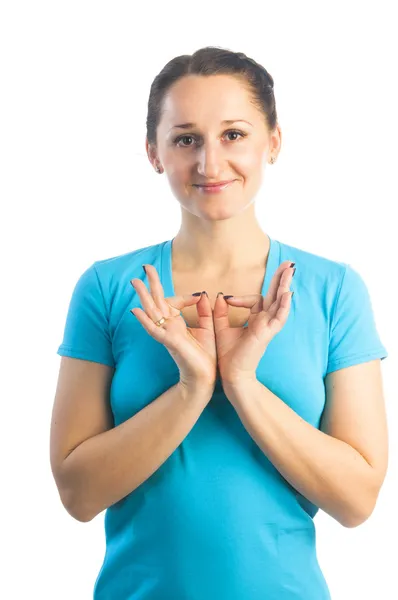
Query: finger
<point>205,315</point>
<point>158,333</point>
<point>281,272</point>
<point>252,301</point>
<point>154,302</point>
<point>203,307</point>
<point>284,283</point>
<point>255,303</point>
<point>220,313</point>
<point>156,288</point>
<point>279,313</point>
<point>152,311</point>
<point>205,312</point>
<point>281,276</point>
<point>221,308</point>
<point>179,302</point>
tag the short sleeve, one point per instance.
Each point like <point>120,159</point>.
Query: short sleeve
<point>354,337</point>
<point>86,333</point>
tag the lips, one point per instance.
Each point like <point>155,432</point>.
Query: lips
<point>214,189</point>
<point>209,185</point>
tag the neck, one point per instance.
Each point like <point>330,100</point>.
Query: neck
<point>220,247</point>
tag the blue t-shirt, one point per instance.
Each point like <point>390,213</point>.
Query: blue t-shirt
<point>217,521</point>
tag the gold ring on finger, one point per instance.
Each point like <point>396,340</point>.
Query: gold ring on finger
<point>160,322</point>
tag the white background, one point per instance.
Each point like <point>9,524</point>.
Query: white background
<point>77,186</point>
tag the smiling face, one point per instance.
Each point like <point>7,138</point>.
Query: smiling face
<point>208,150</point>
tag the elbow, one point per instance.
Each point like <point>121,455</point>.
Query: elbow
<point>71,500</point>
<point>75,503</point>
<point>360,515</point>
<point>77,513</point>
<point>71,490</point>
<point>354,521</point>
<point>74,507</point>
<point>365,510</point>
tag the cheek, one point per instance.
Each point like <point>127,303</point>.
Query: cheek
<point>248,161</point>
<point>178,170</point>
<point>243,158</point>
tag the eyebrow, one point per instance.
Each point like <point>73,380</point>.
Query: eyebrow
<point>226,122</point>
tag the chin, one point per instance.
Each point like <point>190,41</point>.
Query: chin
<point>220,213</point>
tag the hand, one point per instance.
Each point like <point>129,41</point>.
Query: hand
<point>193,349</point>
<point>239,349</point>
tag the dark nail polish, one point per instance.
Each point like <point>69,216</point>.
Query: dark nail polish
<point>219,293</point>
<point>294,270</point>
<point>206,294</point>
<point>292,264</point>
<point>228,297</point>
<point>143,266</point>
<point>197,294</point>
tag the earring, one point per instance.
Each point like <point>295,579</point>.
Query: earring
<point>273,159</point>
<point>157,169</point>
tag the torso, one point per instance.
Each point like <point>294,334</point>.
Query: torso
<point>237,285</point>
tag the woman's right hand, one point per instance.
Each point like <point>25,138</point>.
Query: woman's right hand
<point>192,348</point>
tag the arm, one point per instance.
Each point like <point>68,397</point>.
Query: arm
<point>107,467</point>
<point>328,471</point>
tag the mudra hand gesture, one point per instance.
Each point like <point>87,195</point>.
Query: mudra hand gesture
<point>239,349</point>
<point>200,352</point>
<point>192,348</point>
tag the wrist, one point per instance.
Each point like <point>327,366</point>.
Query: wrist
<point>195,385</point>
<point>236,383</point>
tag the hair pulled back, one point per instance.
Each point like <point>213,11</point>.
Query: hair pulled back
<point>207,61</point>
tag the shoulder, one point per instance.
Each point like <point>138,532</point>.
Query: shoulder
<point>119,270</point>
<point>315,272</point>
<point>128,260</point>
<point>112,276</point>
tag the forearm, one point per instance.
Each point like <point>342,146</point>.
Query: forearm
<point>107,467</point>
<point>327,471</point>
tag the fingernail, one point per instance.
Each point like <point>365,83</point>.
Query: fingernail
<point>292,264</point>
<point>292,295</point>
<point>197,294</point>
<point>228,297</point>
<point>143,266</point>
<point>219,294</point>
<point>206,294</point>
<point>294,270</point>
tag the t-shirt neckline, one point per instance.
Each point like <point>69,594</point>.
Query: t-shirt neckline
<point>166,276</point>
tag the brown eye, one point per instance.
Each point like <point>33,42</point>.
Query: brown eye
<point>183,137</point>
<point>233,132</point>
<point>187,137</point>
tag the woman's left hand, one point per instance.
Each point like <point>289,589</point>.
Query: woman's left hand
<point>239,349</point>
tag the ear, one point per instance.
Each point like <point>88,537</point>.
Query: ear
<point>152,153</point>
<point>276,140</point>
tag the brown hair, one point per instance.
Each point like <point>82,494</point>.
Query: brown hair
<point>212,60</point>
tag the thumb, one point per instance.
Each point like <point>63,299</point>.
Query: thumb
<point>182,300</point>
<point>221,310</point>
<point>203,307</point>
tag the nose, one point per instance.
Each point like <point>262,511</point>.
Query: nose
<point>209,161</point>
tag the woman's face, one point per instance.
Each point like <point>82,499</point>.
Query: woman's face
<point>209,151</point>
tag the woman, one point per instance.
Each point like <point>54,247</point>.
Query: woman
<point>213,427</point>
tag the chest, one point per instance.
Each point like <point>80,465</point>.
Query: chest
<point>233,284</point>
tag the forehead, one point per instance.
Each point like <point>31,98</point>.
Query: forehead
<point>201,99</point>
